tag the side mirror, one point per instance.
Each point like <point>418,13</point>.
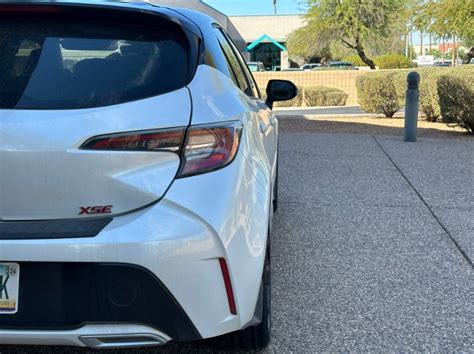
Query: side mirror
<point>280,90</point>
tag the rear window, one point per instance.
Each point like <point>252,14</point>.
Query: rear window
<point>46,64</point>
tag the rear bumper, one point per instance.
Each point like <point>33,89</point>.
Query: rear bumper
<point>69,296</point>
<point>179,240</point>
<point>166,242</point>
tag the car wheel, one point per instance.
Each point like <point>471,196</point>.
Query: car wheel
<point>255,337</point>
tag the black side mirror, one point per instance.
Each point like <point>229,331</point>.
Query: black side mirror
<point>280,90</point>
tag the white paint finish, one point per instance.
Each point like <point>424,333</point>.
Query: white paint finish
<point>225,213</point>
<point>43,174</point>
<point>179,247</point>
<point>236,206</point>
<point>55,185</point>
<point>215,97</point>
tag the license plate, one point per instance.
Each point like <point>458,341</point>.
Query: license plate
<point>9,284</point>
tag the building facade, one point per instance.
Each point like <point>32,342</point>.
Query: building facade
<point>260,38</point>
<point>266,37</point>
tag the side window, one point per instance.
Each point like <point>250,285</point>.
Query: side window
<point>245,69</point>
<point>239,77</point>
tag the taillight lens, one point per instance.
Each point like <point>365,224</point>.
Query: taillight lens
<point>208,148</point>
<point>160,140</point>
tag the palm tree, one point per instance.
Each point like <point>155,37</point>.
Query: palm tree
<point>275,6</point>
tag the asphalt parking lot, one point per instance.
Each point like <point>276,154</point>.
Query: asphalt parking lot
<point>372,246</point>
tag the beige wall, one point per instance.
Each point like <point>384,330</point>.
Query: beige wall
<point>220,18</point>
<point>277,27</point>
<point>340,79</point>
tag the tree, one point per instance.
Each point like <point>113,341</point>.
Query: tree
<point>452,19</point>
<point>421,22</point>
<point>350,23</point>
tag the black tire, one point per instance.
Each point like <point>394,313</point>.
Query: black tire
<point>256,337</point>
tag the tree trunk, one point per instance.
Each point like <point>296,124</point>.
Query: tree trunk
<point>421,43</point>
<point>453,52</point>
<point>362,55</point>
<point>364,58</point>
<point>431,42</point>
<point>444,48</point>
<point>469,56</point>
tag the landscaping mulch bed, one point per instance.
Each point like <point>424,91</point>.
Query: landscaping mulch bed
<point>368,125</point>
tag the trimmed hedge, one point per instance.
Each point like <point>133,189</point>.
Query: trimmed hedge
<point>429,94</point>
<point>324,96</point>
<point>384,91</point>
<point>392,61</point>
<point>456,100</point>
<point>379,92</point>
<point>316,96</point>
<point>355,60</point>
<point>295,102</point>
<point>386,61</point>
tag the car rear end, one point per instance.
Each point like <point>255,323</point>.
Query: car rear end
<point>95,131</point>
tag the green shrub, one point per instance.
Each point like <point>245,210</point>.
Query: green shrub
<point>428,90</point>
<point>429,100</point>
<point>355,60</point>
<point>380,92</point>
<point>295,102</point>
<point>384,91</point>
<point>392,61</point>
<point>324,96</point>
<point>456,99</point>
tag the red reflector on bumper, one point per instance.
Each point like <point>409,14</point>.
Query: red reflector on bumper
<point>228,286</point>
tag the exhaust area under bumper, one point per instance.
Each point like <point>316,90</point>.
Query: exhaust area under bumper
<point>104,336</point>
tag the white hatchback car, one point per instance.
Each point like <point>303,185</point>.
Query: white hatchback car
<point>138,176</point>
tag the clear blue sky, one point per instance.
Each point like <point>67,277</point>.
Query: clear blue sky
<point>256,7</point>
<point>265,7</point>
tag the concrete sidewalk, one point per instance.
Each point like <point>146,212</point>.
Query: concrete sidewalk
<point>373,245</point>
<point>339,111</point>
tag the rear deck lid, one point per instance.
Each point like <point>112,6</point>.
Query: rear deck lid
<point>69,77</point>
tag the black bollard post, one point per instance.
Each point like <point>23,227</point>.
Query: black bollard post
<point>411,106</point>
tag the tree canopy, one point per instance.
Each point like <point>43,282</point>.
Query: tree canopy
<point>350,23</point>
<point>374,27</point>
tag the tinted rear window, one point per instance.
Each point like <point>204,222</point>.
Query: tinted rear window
<point>47,64</point>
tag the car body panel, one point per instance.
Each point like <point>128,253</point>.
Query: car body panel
<point>81,178</point>
<point>191,222</point>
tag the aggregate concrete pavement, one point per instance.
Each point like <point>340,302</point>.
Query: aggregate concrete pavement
<point>336,110</point>
<point>372,247</point>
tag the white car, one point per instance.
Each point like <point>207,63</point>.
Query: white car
<point>311,66</point>
<point>256,66</point>
<point>138,177</point>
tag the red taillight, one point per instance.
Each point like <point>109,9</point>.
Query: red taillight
<point>161,140</point>
<point>206,148</point>
<point>228,286</point>
<point>209,148</point>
